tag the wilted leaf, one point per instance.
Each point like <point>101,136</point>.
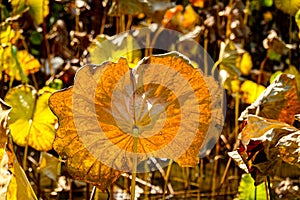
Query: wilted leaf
<point>288,6</point>
<point>48,165</point>
<point>160,105</point>
<point>180,19</point>
<point>31,121</point>
<point>28,63</point>
<point>18,64</point>
<point>275,45</point>
<point>105,48</point>
<point>125,7</point>
<point>279,101</point>
<point>247,189</point>
<point>4,111</point>
<point>265,144</point>
<point>37,9</point>
<point>239,160</point>
<point>5,175</point>
<point>228,57</point>
<point>19,186</point>
<point>289,148</point>
<point>294,71</point>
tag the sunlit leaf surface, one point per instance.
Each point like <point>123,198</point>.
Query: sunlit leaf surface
<point>279,101</point>
<point>31,121</point>
<point>105,48</point>
<point>109,103</point>
<point>25,62</point>
<point>247,189</point>
<point>288,6</point>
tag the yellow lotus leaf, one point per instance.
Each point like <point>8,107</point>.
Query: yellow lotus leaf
<point>6,34</point>
<point>246,64</point>
<point>31,121</point>
<point>114,114</point>
<point>280,101</point>
<point>21,64</point>
<point>28,63</point>
<point>250,91</point>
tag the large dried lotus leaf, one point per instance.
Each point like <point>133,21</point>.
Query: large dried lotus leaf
<point>109,103</point>
<point>279,101</point>
<point>31,121</point>
<point>265,144</point>
<point>81,164</point>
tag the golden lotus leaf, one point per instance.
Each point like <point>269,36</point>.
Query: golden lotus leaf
<point>163,102</point>
<point>31,120</point>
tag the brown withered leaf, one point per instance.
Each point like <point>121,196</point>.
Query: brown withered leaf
<point>5,175</point>
<point>279,101</point>
<point>164,100</point>
<point>4,111</point>
<point>289,148</point>
<point>265,144</point>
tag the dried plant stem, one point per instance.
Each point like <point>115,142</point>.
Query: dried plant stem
<point>147,175</point>
<point>129,22</point>
<point>228,30</point>
<point>205,52</point>
<point>92,196</point>
<point>215,169</point>
<point>154,39</point>
<point>237,113</point>
<point>28,134</point>
<point>215,67</point>
<point>166,179</point>
<point>47,47</point>
<point>103,20</point>
<point>200,179</point>
<point>290,36</point>
<point>134,169</point>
